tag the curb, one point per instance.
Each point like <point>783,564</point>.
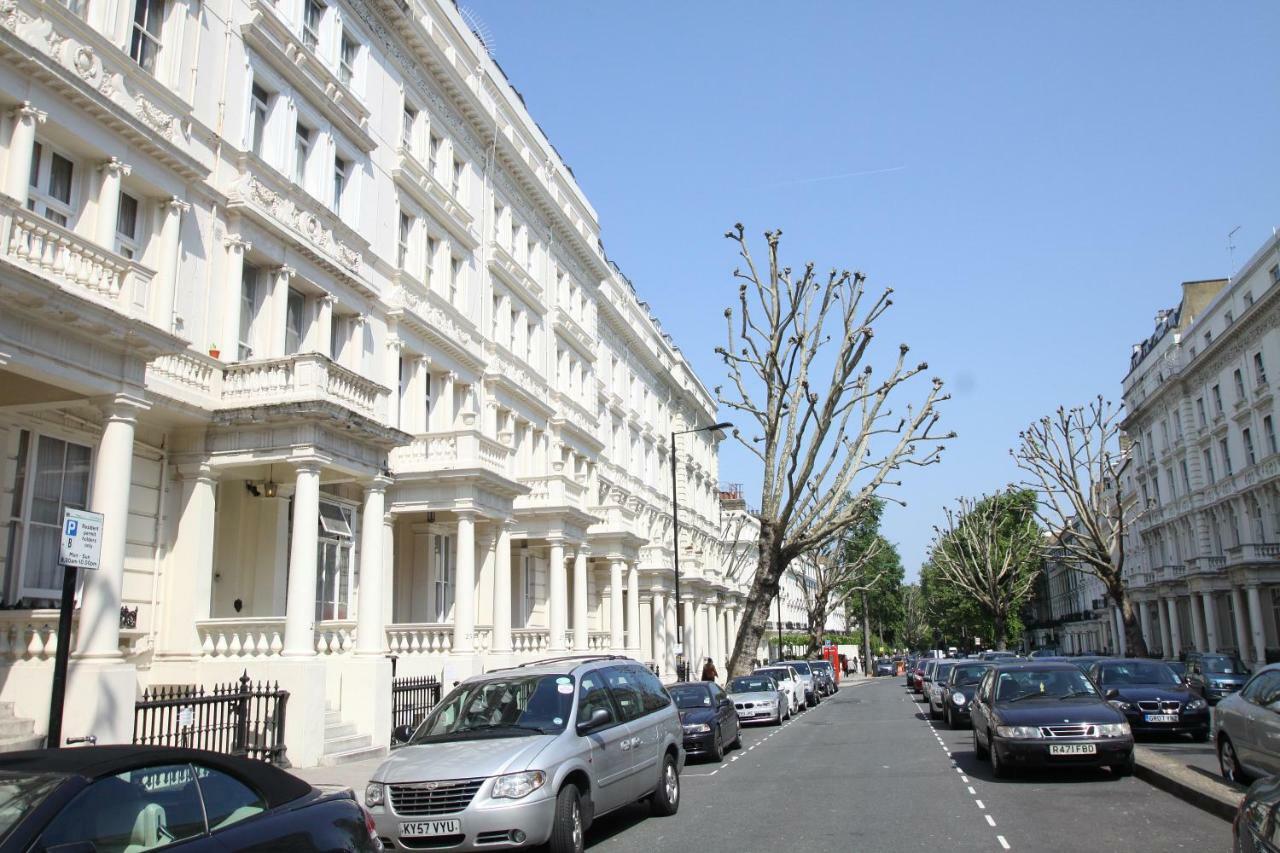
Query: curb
<point>1207,794</point>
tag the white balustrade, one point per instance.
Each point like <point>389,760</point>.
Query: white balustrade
<point>29,634</point>
<point>598,641</point>
<point>458,449</point>
<point>235,638</point>
<point>297,378</point>
<point>530,640</point>
<point>423,638</point>
<point>335,637</point>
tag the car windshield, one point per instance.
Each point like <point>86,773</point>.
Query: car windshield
<point>823,665</point>
<point>1136,673</point>
<point>779,675</point>
<point>940,674</point>
<point>801,667</point>
<point>690,695</point>
<point>751,684</point>
<point>22,792</point>
<point>1224,665</point>
<point>966,674</point>
<point>1027,684</point>
<point>501,707</point>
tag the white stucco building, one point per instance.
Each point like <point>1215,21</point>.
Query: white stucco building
<point>1204,555</point>
<point>300,297</point>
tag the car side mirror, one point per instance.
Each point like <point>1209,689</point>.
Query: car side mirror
<point>1113,693</point>
<point>599,718</point>
<point>402,734</point>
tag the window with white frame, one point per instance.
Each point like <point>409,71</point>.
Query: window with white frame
<point>145,42</point>
<point>335,576</point>
<point>1259,370</point>
<point>249,302</point>
<point>456,177</point>
<point>1200,410</point>
<point>349,53</point>
<point>1226,455</point>
<point>303,139</point>
<point>408,121</point>
<point>1208,467</point>
<point>1217,400</point>
<point>455,279</point>
<point>127,240</point>
<point>443,565</point>
<point>50,475</point>
<point>295,307</point>
<point>433,246</point>
<point>433,152</point>
<point>404,235</point>
<point>1239,380</point>
<point>312,19</point>
<point>52,193</point>
<point>259,111</point>
<point>1247,435</point>
<point>341,178</point>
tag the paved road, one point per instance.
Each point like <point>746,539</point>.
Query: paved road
<point>841,776</point>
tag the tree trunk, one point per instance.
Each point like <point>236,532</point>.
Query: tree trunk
<point>866,636</point>
<point>755,610</point>
<point>1135,645</point>
<point>817,622</point>
<point>1000,624</point>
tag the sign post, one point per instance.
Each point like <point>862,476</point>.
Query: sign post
<point>81,548</point>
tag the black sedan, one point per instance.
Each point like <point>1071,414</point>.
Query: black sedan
<point>138,798</point>
<point>1047,715</point>
<point>963,683</point>
<point>1152,697</point>
<point>708,717</point>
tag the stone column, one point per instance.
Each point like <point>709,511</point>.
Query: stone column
<point>1210,622</point>
<point>1175,630</point>
<point>464,587</point>
<point>300,604</point>
<point>633,606</point>
<point>1242,632</point>
<point>673,607</point>
<point>113,172</point>
<point>279,296</point>
<point>166,281</point>
<point>1166,638</point>
<point>617,633</point>
<point>322,332</point>
<point>690,635</point>
<point>371,631</point>
<point>229,344</point>
<point>99,631</point>
<point>502,591</point>
<point>558,595</point>
<point>659,603</point>
<point>1255,624</point>
<point>189,587</point>
<point>580,599</point>
<point>1144,619</point>
<point>715,635</point>
<point>17,178</point>
<point>1197,629</point>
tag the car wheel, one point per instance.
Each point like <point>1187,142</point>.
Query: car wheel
<point>978,749</point>
<point>736,743</point>
<point>567,834</point>
<point>1229,763</point>
<point>998,768</point>
<point>717,746</point>
<point>777,721</point>
<point>1125,770</point>
<point>666,800</point>
<point>951,720</point>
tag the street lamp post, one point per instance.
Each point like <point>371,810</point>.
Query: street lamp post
<point>681,664</point>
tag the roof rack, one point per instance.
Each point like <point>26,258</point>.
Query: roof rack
<point>577,658</point>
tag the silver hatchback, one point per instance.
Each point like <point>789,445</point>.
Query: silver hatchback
<point>531,755</point>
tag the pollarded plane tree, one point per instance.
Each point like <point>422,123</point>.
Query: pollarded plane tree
<point>821,423</point>
<point>843,568</point>
<point>1075,460</point>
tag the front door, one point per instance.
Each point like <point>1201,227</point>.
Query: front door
<point>611,757</point>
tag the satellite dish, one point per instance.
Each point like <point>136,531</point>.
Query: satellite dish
<point>478,27</point>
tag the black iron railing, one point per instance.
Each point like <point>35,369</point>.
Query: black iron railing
<point>412,698</point>
<point>240,718</point>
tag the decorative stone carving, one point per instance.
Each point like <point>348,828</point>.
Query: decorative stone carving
<point>156,118</point>
<point>288,213</point>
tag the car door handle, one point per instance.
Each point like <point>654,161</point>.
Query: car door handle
<point>626,745</point>
<point>635,742</point>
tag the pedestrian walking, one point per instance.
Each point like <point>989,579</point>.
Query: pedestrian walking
<point>709,671</point>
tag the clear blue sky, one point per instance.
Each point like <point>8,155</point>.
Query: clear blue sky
<point>1039,179</point>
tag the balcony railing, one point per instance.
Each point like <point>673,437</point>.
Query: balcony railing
<point>235,638</point>
<point>297,378</point>
<point>1250,552</point>
<point>74,262</point>
<point>458,449</point>
<point>551,491</point>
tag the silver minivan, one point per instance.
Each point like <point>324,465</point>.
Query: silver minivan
<point>531,755</point>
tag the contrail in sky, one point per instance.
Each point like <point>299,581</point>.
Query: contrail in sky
<point>836,177</point>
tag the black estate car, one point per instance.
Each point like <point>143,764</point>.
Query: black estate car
<point>137,798</point>
<point>1152,697</point>
<point>961,685</point>
<point>1047,715</point>
<point>1215,676</point>
<point>709,719</point>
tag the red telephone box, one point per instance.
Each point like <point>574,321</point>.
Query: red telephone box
<point>832,656</point>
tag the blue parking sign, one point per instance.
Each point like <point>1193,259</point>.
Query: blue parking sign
<point>71,527</point>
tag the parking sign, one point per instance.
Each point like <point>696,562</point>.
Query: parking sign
<point>81,539</point>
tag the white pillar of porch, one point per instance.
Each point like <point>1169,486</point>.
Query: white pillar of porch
<point>580,599</point>
<point>1242,632</point>
<point>715,634</point>
<point>113,172</point>
<point>502,591</point>
<point>464,587</point>
<point>659,604</point>
<point>1175,630</point>
<point>1255,625</point>
<point>371,633</point>
<point>617,632</point>
<point>1144,619</point>
<point>300,605</point>
<point>633,606</point>
<point>558,595</point>
<point>1210,622</point>
<point>690,636</point>
<point>99,629</point>
<point>166,280</point>
<point>1166,638</point>
<point>17,178</point>
<point>669,666</point>
<point>190,569</point>
<point>1196,612</point>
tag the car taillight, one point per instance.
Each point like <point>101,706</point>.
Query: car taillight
<point>371,828</point>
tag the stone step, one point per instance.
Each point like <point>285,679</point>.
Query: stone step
<point>332,718</point>
<point>330,759</point>
<point>11,727</point>
<point>6,710</point>
<point>347,742</point>
<point>21,742</point>
<point>340,730</point>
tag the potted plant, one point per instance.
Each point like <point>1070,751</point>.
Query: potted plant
<point>214,352</point>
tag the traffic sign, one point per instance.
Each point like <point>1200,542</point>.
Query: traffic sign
<point>81,539</point>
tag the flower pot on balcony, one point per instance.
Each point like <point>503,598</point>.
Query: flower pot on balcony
<point>214,353</point>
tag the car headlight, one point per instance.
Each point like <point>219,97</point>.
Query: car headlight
<point>1197,704</point>
<point>513,786</point>
<point>1114,730</point>
<point>696,728</point>
<point>1018,731</point>
<point>373,794</point>
<point>958,698</point>
<point>1120,705</point>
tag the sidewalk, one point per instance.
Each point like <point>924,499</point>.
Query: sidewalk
<point>1191,774</point>
<point>354,775</point>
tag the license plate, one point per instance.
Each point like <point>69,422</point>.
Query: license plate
<point>1160,718</point>
<point>1072,749</point>
<point>422,828</point>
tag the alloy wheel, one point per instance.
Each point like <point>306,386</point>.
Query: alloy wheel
<point>577,826</point>
<point>672,783</point>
